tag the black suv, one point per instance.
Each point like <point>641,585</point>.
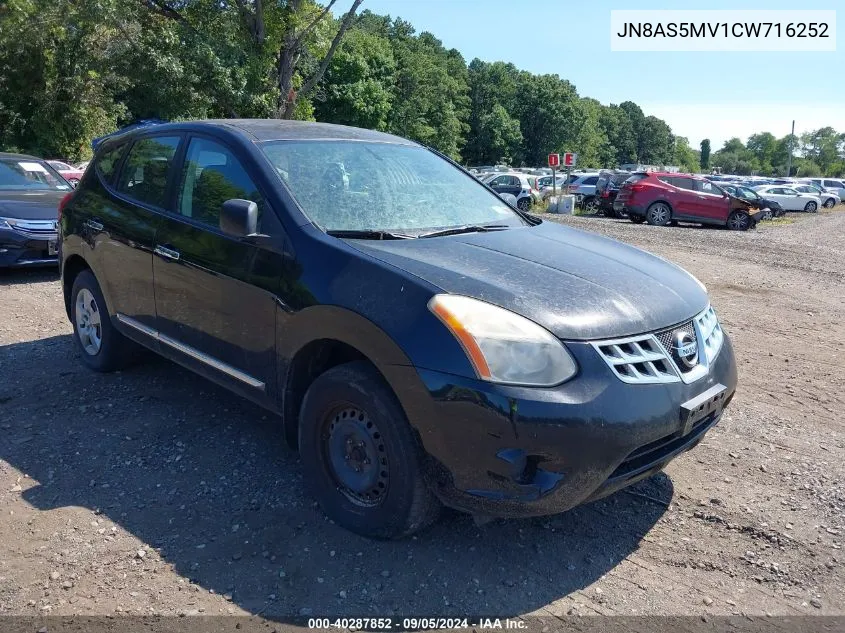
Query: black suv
<point>607,188</point>
<point>423,342</point>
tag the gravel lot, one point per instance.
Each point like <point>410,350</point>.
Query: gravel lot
<point>152,491</point>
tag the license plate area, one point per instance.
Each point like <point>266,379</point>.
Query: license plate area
<point>702,406</point>
<point>51,248</point>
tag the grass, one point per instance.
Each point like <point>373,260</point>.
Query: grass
<point>776,222</point>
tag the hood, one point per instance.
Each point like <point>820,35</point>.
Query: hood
<point>578,285</point>
<point>31,205</point>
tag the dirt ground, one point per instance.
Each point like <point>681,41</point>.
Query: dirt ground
<point>153,491</point>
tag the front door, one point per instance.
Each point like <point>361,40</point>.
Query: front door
<point>506,184</point>
<point>210,314</point>
<point>711,203</point>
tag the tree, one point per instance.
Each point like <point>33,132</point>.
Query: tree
<point>358,86</point>
<point>656,142</point>
<point>764,147</point>
<point>705,155</point>
<point>822,146</point>
<point>637,119</point>
<point>499,136</point>
<point>547,107</point>
<point>622,140</point>
<point>684,156</point>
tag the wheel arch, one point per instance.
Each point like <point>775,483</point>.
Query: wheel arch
<point>73,265</point>
<point>322,337</point>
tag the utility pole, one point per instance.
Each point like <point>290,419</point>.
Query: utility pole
<point>789,158</point>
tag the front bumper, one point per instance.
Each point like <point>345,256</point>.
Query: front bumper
<point>17,250</point>
<point>516,451</point>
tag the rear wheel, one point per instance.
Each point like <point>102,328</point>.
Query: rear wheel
<point>360,457</point>
<point>829,203</point>
<point>739,221</point>
<point>100,345</point>
<point>523,204</point>
<point>659,214</point>
<point>811,207</point>
<point>591,205</point>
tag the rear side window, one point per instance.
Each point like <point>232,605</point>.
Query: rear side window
<point>833,183</point>
<point>705,186</point>
<point>591,180</point>
<point>144,174</point>
<point>211,176</point>
<point>635,178</point>
<point>108,161</point>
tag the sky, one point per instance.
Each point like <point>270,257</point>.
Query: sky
<point>715,95</point>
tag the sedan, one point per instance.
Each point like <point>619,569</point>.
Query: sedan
<point>70,173</point>
<point>30,192</point>
<point>789,198</point>
<point>828,198</point>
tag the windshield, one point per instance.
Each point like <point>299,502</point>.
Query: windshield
<point>21,174</point>
<point>363,186</point>
<point>748,194</point>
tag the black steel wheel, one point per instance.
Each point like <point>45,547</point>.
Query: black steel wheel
<point>360,457</point>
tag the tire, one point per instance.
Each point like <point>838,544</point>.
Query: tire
<point>590,205</point>
<point>523,204</point>
<point>767,214</point>
<point>350,416</point>
<point>101,347</point>
<point>739,221</point>
<point>659,214</point>
<point>829,203</point>
<point>636,219</point>
<point>811,207</point>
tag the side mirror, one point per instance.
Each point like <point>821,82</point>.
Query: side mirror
<point>509,198</point>
<point>239,218</point>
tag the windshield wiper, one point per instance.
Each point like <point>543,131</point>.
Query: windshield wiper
<point>369,234</point>
<point>469,228</point>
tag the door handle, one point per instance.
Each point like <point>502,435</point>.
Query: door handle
<point>94,225</point>
<point>166,253</point>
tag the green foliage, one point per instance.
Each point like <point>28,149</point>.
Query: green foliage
<point>705,155</point>
<point>70,71</point>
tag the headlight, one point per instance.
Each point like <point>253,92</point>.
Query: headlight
<point>502,346</point>
<point>4,224</point>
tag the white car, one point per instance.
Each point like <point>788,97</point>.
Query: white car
<point>583,187</point>
<point>828,198</point>
<point>789,198</point>
<point>835,185</point>
<point>518,185</point>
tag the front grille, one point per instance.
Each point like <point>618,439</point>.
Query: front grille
<point>647,358</point>
<point>665,337</point>
<point>637,360</point>
<point>36,229</point>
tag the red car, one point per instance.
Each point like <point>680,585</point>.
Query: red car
<point>70,173</point>
<point>662,198</point>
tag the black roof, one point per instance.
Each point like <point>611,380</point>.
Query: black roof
<point>26,156</point>
<point>278,129</point>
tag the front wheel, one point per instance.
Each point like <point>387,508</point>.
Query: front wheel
<point>360,457</point>
<point>659,214</point>
<point>811,207</point>
<point>829,203</point>
<point>590,205</point>
<point>739,221</point>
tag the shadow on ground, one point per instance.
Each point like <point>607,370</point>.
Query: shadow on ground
<point>205,478</point>
<point>14,276</point>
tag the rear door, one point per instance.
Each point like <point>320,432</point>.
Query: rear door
<point>121,225</point>
<point>506,184</point>
<point>210,312</point>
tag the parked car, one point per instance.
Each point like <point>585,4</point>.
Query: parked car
<point>789,198</point>
<point>835,185</point>
<point>607,189</point>
<point>827,198</point>
<point>546,188</point>
<point>30,192</point>
<point>662,198</point>
<point>583,187</point>
<point>517,184</point>
<point>70,173</point>
<point>771,208</point>
<point>423,342</point>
